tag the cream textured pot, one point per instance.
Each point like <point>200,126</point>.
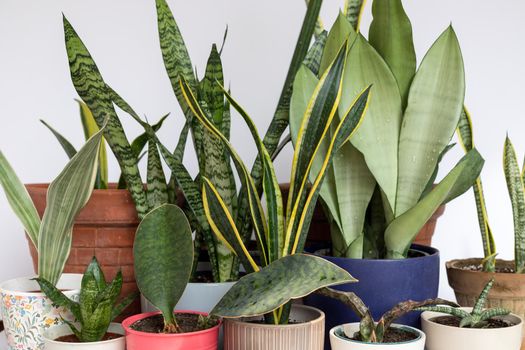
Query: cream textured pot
<point>339,342</point>
<point>305,333</point>
<point>27,313</point>
<point>441,337</point>
<point>59,331</point>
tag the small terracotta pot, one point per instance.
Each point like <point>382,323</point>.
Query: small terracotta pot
<point>339,342</point>
<point>27,313</point>
<point>442,337</point>
<point>201,340</point>
<point>319,232</point>
<point>104,228</point>
<point>59,331</point>
<point>307,333</point>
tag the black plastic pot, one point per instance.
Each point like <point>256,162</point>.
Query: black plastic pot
<point>382,284</point>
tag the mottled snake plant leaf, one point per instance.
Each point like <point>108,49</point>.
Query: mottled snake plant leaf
<point>91,87</point>
<point>19,200</point>
<point>66,196</point>
<point>66,145</point>
<point>273,286</point>
<point>434,106</point>
<point>315,54</point>
<point>517,199</point>
<point>163,252</point>
<point>377,139</point>
<point>391,35</point>
<point>401,232</point>
<point>353,11</point>
<point>157,193</point>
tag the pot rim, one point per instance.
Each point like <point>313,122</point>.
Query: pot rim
<point>452,265</point>
<point>212,284</point>
<point>431,252</point>
<point>425,316</point>
<point>110,341</point>
<point>321,316</point>
<point>113,189</point>
<point>420,334</point>
<point>126,324</point>
<point>37,294</point>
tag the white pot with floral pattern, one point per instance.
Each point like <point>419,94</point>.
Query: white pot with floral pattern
<point>27,313</point>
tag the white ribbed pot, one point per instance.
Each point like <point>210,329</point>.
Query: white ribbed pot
<point>339,342</point>
<point>200,297</point>
<point>441,337</point>
<point>305,333</point>
<point>59,331</point>
<point>27,314</point>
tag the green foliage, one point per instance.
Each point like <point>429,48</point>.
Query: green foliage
<point>163,255</point>
<point>97,306</point>
<point>369,330</point>
<point>395,153</point>
<point>478,317</point>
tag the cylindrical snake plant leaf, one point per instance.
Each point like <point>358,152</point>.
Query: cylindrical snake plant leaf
<point>378,137</point>
<point>391,35</point>
<point>273,286</point>
<point>91,87</point>
<point>434,105</point>
<point>517,199</point>
<point>19,200</point>
<point>319,26</point>
<point>66,196</point>
<point>402,231</point>
<point>163,252</point>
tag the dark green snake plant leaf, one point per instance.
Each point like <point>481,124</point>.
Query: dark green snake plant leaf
<point>401,232</point>
<point>66,145</point>
<point>273,286</point>
<point>157,193</point>
<point>391,35</point>
<point>66,196</point>
<point>466,138</point>
<point>353,11</point>
<point>91,87</point>
<point>19,200</point>
<point>163,252</point>
<point>315,54</point>
<point>517,199</point>
<point>59,298</point>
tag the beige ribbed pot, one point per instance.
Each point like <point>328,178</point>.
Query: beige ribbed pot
<point>306,333</point>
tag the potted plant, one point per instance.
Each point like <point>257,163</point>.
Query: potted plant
<point>26,311</point>
<point>450,328</point>
<point>368,334</point>
<point>100,98</point>
<point>380,189</point>
<point>258,311</point>
<point>467,276</point>
<point>96,308</point>
<point>163,263</point>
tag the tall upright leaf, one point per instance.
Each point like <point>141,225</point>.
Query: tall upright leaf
<point>94,92</point>
<point>66,145</point>
<point>391,35</point>
<point>157,188</point>
<point>66,196</point>
<point>434,106</point>
<point>353,10</point>
<point>340,33</point>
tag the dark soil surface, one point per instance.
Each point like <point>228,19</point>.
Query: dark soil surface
<point>393,335</point>
<point>499,269</point>
<point>454,321</point>
<point>187,322</point>
<point>73,338</point>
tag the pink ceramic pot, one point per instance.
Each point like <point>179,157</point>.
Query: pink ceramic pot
<point>202,340</point>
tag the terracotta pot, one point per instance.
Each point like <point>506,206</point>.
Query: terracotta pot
<point>441,337</point>
<point>508,290</point>
<point>105,228</point>
<point>201,340</point>
<point>339,342</point>
<point>319,233</point>
<point>306,334</point>
<point>59,331</point>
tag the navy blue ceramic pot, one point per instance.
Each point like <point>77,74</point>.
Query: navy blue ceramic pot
<point>382,284</point>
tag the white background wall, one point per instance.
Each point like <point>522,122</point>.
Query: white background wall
<point>122,37</point>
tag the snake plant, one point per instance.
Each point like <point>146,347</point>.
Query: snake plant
<point>66,196</point>
<point>379,191</point>
<point>478,317</point>
<point>280,232</point>
<point>371,331</point>
<point>97,306</point>
<point>213,158</point>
